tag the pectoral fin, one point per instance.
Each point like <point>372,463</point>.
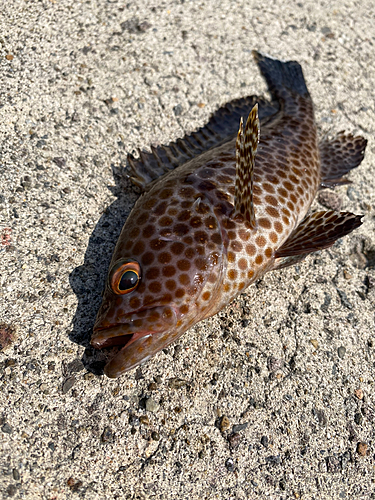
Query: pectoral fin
<point>316,232</point>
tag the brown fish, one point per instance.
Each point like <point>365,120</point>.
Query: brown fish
<point>220,209</point>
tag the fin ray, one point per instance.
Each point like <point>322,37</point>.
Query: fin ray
<point>316,232</point>
<point>246,147</point>
<point>222,127</point>
<point>338,156</point>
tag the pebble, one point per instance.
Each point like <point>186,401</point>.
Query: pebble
<point>358,393</point>
<point>225,424</point>
<point>229,464</point>
<point>151,405</point>
<point>362,449</point>
<point>144,420</point>
<point>7,428</point>
<point>68,384</point>
<point>16,475</point>
<point>107,435</point>
<point>60,162</point>
<point>358,418</point>
<point>234,440</point>
<point>264,441</point>
<point>155,436</point>
<point>11,490</point>
<point>176,383</point>
<point>341,351</point>
<point>240,427</point>
<point>315,343</point>
<point>9,57</point>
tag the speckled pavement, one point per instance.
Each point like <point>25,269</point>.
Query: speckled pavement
<point>272,398</point>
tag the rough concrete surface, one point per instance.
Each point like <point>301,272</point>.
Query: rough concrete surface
<point>273,397</point>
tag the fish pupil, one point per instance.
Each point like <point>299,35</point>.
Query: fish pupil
<point>128,280</point>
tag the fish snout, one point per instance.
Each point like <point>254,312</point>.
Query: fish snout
<point>140,332</point>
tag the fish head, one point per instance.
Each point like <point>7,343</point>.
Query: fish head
<point>160,283</point>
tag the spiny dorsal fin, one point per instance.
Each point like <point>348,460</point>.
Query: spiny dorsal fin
<point>317,231</point>
<point>246,147</point>
<point>222,127</point>
<point>338,156</point>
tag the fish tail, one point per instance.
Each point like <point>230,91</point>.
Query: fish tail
<point>281,75</point>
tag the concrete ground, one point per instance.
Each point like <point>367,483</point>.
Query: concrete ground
<point>273,397</point>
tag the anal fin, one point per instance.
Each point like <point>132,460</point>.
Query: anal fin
<point>338,156</point>
<point>246,147</point>
<point>316,232</point>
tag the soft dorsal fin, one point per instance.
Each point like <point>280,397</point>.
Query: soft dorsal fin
<point>222,127</point>
<point>246,147</point>
<point>338,156</point>
<point>317,231</point>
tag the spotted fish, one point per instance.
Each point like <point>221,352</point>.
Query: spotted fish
<point>220,208</point>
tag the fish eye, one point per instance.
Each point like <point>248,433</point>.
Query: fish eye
<point>125,276</point>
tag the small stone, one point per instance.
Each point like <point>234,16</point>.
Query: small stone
<point>176,383</point>
<point>107,435</point>
<point>9,57</point>
<point>229,464</point>
<point>344,299</point>
<point>68,384</point>
<point>358,418</point>
<point>75,366</point>
<point>155,436</point>
<point>73,484</point>
<point>177,110</point>
<point>239,427</point>
<point>347,275</point>
<point>224,424</point>
<point>60,162</point>
<point>151,405</point>
<point>11,490</point>
<point>264,441</point>
<point>16,475</point>
<point>358,393</point>
<point>6,428</point>
<point>234,440</point>
<point>341,351</point>
<point>7,335</point>
<point>315,343</point>
<point>153,386</point>
<point>362,449</point>
<point>144,420</point>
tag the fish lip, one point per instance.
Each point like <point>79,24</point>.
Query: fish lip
<point>109,341</point>
<point>98,343</point>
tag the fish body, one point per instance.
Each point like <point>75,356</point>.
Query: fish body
<point>217,221</point>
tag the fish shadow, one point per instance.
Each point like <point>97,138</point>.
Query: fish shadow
<point>88,280</point>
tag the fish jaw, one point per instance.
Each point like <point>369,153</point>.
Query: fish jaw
<point>142,334</point>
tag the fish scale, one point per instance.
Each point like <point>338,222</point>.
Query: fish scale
<point>202,233</point>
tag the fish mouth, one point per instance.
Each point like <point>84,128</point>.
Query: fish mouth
<point>138,339</point>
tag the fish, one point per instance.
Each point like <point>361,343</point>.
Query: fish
<point>220,208</point>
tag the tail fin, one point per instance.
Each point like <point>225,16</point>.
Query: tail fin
<point>281,75</point>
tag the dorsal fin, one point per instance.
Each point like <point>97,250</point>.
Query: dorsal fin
<point>338,156</point>
<point>222,127</point>
<point>317,231</point>
<point>246,147</point>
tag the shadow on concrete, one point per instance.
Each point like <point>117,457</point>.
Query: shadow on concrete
<point>88,280</point>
